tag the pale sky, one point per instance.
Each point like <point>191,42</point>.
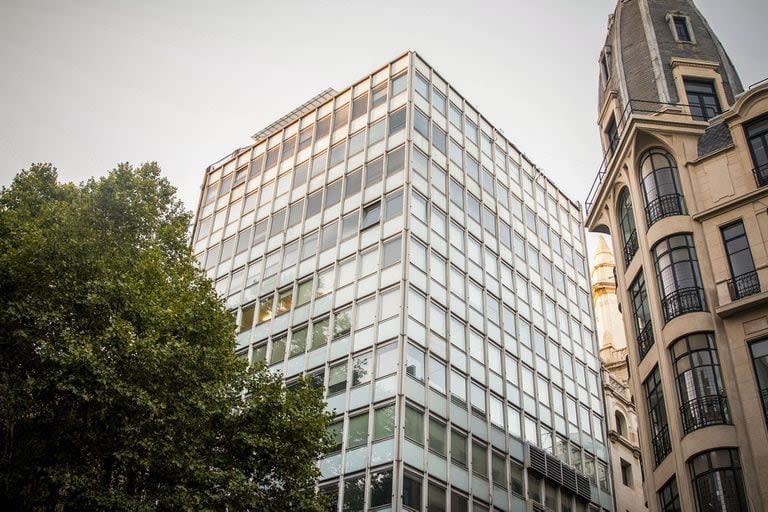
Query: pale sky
<point>88,84</point>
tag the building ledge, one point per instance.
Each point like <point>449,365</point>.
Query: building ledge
<point>741,305</point>
<point>749,197</point>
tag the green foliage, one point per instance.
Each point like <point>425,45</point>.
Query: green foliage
<point>119,387</point>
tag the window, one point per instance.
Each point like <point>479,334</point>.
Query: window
<point>682,32</point>
<point>352,183</point>
<point>398,84</point>
<point>357,431</point>
<point>744,280</point>
<point>360,106</point>
<point>626,473</point>
<point>421,123</point>
<point>627,226</point>
<point>381,488</point>
<point>378,95</point>
<point>717,481</point>
<point>458,448</point>
<point>661,186</point>
<point>657,416</point>
<point>395,161</point>
<point>396,121</point>
<point>605,65</point>
<point>437,437</point>
<point>383,422</point>
<point>422,86</point>
<point>702,99</point>
<point>612,134</point>
<point>305,137</point>
<point>757,137</point>
<point>435,498</point>
<point>438,138</point>
<point>371,214</point>
<point>337,378</point>
<point>759,350</point>
<point>323,127</point>
<point>669,500</point>
<point>699,382</point>
<point>677,271</point>
<point>411,492</point>
<point>642,315</point>
<point>479,459</point>
<point>621,423</point>
<point>414,425</point>
<point>374,171</point>
<point>354,493</point>
<point>414,362</point>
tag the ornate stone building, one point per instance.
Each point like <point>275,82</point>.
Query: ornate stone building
<point>682,189</point>
<point>619,401</point>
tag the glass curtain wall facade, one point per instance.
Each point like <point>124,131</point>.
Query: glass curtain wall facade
<point>394,246</point>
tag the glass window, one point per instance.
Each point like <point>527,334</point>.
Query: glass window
<point>336,431</point>
<point>411,492</point>
<point>421,123</point>
<point>361,369</point>
<point>681,28</point>
<point>422,86</point>
<point>699,382</point>
<point>381,488</point>
<point>669,499</point>
<point>374,171</point>
<point>356,143</point>
<point>305,137</point>
<point>352,183</point>
<point>278,350</point>
<point>498,470</point>
<point>371,215</point>
<point>759,350</point>
<point>337,378</point>
<point>398,83</point>
<point>320,333</point>
<point>657,416</point>
<point>414,425</point>
<point>458,387</point>
<point>438,101</point>
<point>379,95</point>
<point>357,431</point>
<point>627,226</point>
<point>702,98</point>
<point>717,481</point>
<point>298,342</point>
<point>332,194</point>
<point>479,459</point>
<point>354,494</point>
<point>414,362</point>
<point>376,132</point>
<point>395,161</point>
<point>677,271</point>
<point>455,116</point>
<point>323,127</point>
<point>439,138</point>
<point>458,448</point>
<point>396,121</point>
<point>341,323</point>
<point>436,374</point>
<point>661,186</point>
<point>435,498</point>
<point>744,280</point>
<point>265,309</point>
<point>383,422</point>
<point>437,437</point>
<point>360,106</point>
<point>757,137</point>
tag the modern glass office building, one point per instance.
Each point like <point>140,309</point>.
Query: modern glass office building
<point>390,243</point>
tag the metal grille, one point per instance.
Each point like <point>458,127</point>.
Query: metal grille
<point>537,460</point>
<point>679,302</point>
<point>569,479</point>
<point>704,411</point>
<point>584,489</point>
<point>664,206</point>
<point>744,285</point>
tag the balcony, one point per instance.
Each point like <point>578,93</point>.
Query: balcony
<point>645,340</point>
<point>761,175</point>
<point>704,411</point>
<point>661,444</point>
<point>664,206</point>
<point>682,301</point>
<point>635,109</point>
<point>744,285</point>
<point>630,247</point>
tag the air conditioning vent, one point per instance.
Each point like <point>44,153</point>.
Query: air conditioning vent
<point>584,489</point>
<point>569,479</point>
<point>554,470</point>
<point>537,460</point>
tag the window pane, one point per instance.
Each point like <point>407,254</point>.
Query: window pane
<point>414,425</point>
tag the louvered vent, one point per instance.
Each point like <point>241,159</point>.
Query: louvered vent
<point>569,479</point>
<point>537,460</point>
<point>584,489</point>
<point>554,470</point>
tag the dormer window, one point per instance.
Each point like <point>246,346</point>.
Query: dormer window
<point>680,25</point>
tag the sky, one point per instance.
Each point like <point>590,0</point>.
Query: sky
<point>88,84</point>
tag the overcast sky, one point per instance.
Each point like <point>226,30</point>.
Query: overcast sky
<point>88,84</point>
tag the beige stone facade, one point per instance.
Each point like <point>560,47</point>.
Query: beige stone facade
<point>684,193</point>
<point>620,414</point>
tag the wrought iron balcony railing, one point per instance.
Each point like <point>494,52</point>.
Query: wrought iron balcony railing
<point>664,206</point>
<point>761,175</point>
<point>744,285</point>
<point>645,340</point>
<point>682,301</point>
<point>630,247</point>
<point>661,444</point>
<point>704,411</point>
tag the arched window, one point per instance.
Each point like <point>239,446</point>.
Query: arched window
<point>661,186</point>
<point>699,382</point>
<point>621,424</point>
<point>677,271</point>
<point>717,481</point>
<point>627,226</point>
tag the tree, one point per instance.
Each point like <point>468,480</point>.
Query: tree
<point>119,387</point>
